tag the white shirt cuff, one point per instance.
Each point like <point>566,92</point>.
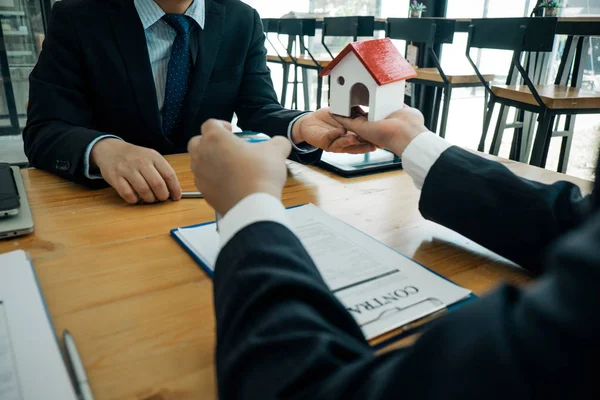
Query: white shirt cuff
<point>420,155</point>
<point>88,152</point>
<point>306,148</point>
<point>257,207</point>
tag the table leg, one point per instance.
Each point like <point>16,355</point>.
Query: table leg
<point>295,89</point>
<point>305,82</point>
<point>486,124</point>
<point>437,100</point>
<point>445,111</point>
<point>576,81</point>
<point>542,139</point>
<point>319,91</point>
<point>500,128</point>
<point>565,148</point>
<point>286,78</point>
<point>527,136</point>
<point>517,142</point>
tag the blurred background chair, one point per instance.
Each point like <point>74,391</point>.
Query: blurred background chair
<point>338,32</point>
<point>429,32</point>
<point>524,36</point>
<point>298,56</point>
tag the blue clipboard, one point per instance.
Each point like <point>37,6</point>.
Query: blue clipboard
<point>401,335</point>
<point>205,267</point>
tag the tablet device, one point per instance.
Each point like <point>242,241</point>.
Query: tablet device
<point>349,165</point>
<point>22,223</point>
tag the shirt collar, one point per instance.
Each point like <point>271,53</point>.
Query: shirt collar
<point>150,12</point>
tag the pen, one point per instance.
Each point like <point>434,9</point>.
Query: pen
<point>82,385</point>
<point>191,195</point>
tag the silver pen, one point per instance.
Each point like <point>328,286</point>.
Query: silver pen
<point>192,195</point>
<point>83,387</point>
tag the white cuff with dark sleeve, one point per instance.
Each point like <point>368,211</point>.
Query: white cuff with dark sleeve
<point>301,148</point>
<point>257,207</point>
<point>420,155</point>
<point>88,152</point>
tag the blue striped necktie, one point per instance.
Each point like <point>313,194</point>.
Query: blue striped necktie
<point>178,74</point>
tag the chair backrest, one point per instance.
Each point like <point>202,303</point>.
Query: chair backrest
<point>271,25</point>
<point>419,30</point>
<point>516,34</point>
<point>298,26</point>
<point>349,26</point>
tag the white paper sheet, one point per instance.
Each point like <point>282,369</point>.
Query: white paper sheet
<point>9,379</point>
<point>37,361</point>
<point>381,288</point>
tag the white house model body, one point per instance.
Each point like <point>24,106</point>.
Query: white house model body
<point>370,73</point>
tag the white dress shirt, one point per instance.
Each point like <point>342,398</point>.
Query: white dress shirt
<point>417,159</point>
<point>159,41</point>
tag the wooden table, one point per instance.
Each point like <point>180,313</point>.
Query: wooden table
<point>140,308</point>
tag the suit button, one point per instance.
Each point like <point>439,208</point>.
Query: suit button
<point>62,165</point>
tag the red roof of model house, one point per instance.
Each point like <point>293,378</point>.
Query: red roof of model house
<point>380,57</point>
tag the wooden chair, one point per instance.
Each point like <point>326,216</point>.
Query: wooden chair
<point>340,27</point>
<point>430,32</point>
<point>549,101</point>
<point>353,27</point>
<point>298,55</point>
<point>270,26</point>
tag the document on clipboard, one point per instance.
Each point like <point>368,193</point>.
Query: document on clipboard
<point>382,289</point>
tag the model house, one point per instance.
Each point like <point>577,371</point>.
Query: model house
<point>370,73</point>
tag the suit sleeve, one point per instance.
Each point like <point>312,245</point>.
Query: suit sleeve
<point>484,201</point>
<point>59,118</point>
<point>257,106</point>
<point>282,335</point>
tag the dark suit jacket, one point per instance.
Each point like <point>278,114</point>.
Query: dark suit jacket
<point>94,77</point>
<point>281,334</point>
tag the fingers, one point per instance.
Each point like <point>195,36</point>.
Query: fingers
<point>214,127</point>
<point>156,182</point>
<point>358,124</point>
<point>170,178</point>
<point>343,142</point>
<point>332,136</point>
<point>140,186</point>
<point>126,191</point>
<point>194,144</point>
<point>227,126</point>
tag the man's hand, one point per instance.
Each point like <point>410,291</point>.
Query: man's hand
<point>393,133</point>
<point>320,129</point>
<point>135,172</point>
<point>227,169</point>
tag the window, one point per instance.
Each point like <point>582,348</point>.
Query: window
<point>466,114</point>
<point>22,27</point>
<point>384,8</point>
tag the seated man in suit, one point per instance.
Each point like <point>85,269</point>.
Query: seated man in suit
<point>281,334</point>
<point>120,82</point>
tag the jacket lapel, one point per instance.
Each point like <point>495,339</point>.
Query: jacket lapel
<point>131,41</point>
<point>209,42</point>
